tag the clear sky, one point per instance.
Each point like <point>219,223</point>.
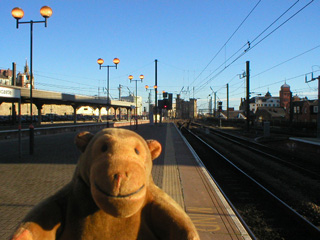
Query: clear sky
<point>200,45</point>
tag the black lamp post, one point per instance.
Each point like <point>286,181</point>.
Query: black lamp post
<point>100,61</point>
<point>18,14</point>
<point>131,79</point>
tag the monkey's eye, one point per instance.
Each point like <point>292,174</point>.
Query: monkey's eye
<point>137,151</point>
<point>104,147</point>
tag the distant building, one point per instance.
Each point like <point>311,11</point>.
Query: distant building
<point>265,101</point>
<point>132,98</point>
<point>23,79</point>
<point>5,77</point>
<point>270,114</point>
<point>268,107</point>
<point>186,109</point>
<point>285,95</point>
<point>304,110</point>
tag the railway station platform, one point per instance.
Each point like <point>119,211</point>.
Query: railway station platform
<point>26,181</point>
<point>312,141</point>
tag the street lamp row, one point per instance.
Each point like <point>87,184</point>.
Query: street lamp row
<point>149,97</point>
<point>100,61</point>
<point>18,14</point>
<point>136,97</point>
<point>116,61</point>
<point>46,12</point>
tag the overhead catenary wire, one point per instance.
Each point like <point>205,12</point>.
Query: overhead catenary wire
<point>288,60</point>
<point>63,80</point>
<point>277,19</point>
<point>287,20</point>
<point>301,76</point>
<point>277,82</point>
<point>250,46</point>
<point>227,41</point>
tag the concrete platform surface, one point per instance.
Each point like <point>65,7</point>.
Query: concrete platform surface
<point>26,181</point>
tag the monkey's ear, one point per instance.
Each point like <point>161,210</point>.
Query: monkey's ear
<point>155,148</point>
<point>82,139</point>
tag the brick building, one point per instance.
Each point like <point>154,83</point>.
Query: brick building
<point>304,110</point>
<point>285,95</point>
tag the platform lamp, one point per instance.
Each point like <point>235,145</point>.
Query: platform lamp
<point>116,61</point>
<point>18,14</point>
<point>131,79</point>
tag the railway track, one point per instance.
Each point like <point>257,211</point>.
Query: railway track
<point>234,167</point>
<point>296,163</point>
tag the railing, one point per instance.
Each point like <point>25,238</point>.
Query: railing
<point>14,133</point>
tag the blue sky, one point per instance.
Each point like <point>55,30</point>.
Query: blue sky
<point>195,42</point>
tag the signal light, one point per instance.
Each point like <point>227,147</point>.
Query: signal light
<point>220,106</point>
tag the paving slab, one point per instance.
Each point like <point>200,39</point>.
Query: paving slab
<point>26,181</point>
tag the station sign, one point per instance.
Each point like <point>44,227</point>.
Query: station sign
<point>10,92</point>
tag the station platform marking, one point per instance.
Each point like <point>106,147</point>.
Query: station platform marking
<point>204,219</point>
<point>203,215</point>
<point>171,176</point>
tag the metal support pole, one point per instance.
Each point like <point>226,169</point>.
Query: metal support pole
<point>291,108</point>
<point>16,13</point>
<point>31,127</point>
<point>136,104</point>
<point>120,100</point>
<point>100,62</point>
<point>108,103</point>
<point>215,103</point>
<point>227,101</point>
<point>248,93</point>
<point>210,105</point>
<point>136,108</point>
<point>13,83</point>
<point>318,114</point>
<point>19,128</point>
<point>156,89</point>
<point>149,102</point>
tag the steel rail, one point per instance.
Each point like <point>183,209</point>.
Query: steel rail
<point>291,210</point>
<point>227,137</point>
<point>247,228</point>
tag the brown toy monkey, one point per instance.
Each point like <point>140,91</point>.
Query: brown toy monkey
<point>111,196</point>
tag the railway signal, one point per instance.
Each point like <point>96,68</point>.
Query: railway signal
<point>220,106</point>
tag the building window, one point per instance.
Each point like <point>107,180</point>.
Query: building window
<point>315,109</point>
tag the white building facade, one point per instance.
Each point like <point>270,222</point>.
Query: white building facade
<point>265,101</point>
